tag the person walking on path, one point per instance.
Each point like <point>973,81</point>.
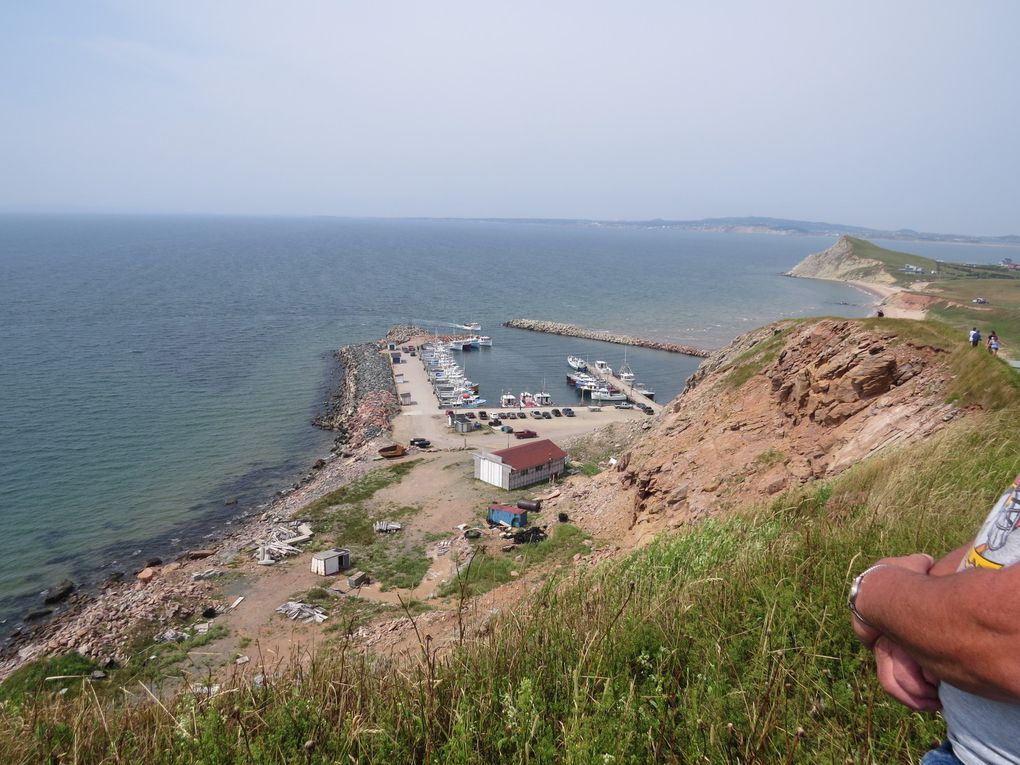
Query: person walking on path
<point>975,337</point>
<point>993,343</point>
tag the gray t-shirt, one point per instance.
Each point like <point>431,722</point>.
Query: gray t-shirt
<point>983,731</point>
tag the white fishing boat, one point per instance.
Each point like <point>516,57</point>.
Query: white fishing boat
<point>602,368</point>
<point>473,326</point>
<point>644,390</point>
<point>508,400</point>
<point>626,373</point>
<point>526,399</point>
<point>577,363</point>
<point>485,341</point>
<point>543,399</point>
<point>604,394</point>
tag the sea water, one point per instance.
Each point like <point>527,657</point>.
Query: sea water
<point>153,369</point>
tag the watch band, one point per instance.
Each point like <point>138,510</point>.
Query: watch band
<point>855,589</point>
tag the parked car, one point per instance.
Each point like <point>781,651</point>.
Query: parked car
<point>546,416</point>
<point>649,410</point>
<point>470,415</point>
<point>624,405</point>
<point>568,412</point>
<point>536,415</point>
<point>507,429</point>
<point>421,443</point>
<point>557,413</point>
<point>495,422</point>
<point>526,434</point>
<point>483,415</point>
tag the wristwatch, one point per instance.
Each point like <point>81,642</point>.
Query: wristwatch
<point>855,590</point>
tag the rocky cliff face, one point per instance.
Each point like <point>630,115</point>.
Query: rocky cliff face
<point>776,408</point>
<point>842,263</point>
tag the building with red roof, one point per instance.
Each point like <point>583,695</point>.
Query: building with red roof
<point>522,465</point>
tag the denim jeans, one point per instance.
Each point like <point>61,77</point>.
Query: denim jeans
<point>941,756</point>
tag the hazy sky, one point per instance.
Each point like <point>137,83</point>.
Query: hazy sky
<point>887,114</point>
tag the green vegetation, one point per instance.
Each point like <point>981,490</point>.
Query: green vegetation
<point>729,643</point>
<point>755,359</point>
<point>30,680</point>
<point>770,457</point>
<point>587,468</point>
<point>488,570</point>
<point>345,518</point>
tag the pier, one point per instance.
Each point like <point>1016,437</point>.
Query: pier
<point>570,330</point>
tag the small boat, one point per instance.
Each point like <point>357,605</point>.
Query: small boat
<point>577,363</point>
<point>485,340</point>
<point>602,367</point>
<point>644,390</point>
<point>391,452</point>
<point>543,399</point>
<point>507,401</point>
<point>473,326</point>
<point>626,373</point>
<point>606,394</point>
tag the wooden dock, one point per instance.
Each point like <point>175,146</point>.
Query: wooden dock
<point>632,395</point>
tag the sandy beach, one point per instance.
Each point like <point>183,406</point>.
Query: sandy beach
<point>893,301</point>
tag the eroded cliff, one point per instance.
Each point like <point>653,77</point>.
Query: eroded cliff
<point>783,405</point>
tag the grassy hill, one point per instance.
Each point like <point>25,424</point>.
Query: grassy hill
<point>727,643</point>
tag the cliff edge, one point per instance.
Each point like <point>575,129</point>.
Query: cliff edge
<point>843,263</point>
<point>781,406</point>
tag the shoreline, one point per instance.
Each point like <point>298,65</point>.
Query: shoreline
<point>893,301</point>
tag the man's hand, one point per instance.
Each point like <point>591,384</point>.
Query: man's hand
<point>903,678</point>
<point>919,563</point>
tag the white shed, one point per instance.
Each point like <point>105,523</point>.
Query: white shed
<point>330,562</point>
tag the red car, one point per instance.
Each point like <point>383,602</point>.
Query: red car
<point>526,434</point>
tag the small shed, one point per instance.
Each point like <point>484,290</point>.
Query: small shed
<point>463,425</point>
<point>514,516</point>
<point>357,579</point>
<point>395,357</point>
<point>329,562</point>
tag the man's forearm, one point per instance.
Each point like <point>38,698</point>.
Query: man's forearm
<point>950,562</point>
<point>964,627</point>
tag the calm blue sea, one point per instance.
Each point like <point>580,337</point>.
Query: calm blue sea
<point>153,367</point>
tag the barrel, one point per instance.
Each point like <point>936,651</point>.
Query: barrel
<point>527,504</point>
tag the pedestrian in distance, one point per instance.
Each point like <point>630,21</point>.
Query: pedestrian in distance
<point>975,337</point>
<point>993,343</point>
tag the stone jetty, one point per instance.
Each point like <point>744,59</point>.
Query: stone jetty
<point>366,399</point>
<point>570,330</point>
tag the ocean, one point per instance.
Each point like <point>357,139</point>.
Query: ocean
<point>154,368</point>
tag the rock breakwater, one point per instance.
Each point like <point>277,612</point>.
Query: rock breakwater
<point>365,401</point>
<point>570,330</point>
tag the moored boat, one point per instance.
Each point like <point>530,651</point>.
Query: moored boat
<point>577,363</point>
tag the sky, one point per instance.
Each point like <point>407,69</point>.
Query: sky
<point>874,113</point>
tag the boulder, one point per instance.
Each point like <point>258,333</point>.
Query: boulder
<point>146,575</point>
<point>58,592</point>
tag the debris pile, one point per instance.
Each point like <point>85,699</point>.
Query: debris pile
<point>280,542</point>
<point>527,536</point>
<point>386,527</point>
<point>294,610</point>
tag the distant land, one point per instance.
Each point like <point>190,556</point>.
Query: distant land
<point>756,225</point>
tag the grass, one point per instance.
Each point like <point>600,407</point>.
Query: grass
<point>755,359</point>
<point>344,518</point>
<point>487,570</point>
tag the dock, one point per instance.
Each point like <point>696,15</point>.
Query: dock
<point>632,395</point>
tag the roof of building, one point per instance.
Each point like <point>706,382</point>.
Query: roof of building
<point>531,455</point>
